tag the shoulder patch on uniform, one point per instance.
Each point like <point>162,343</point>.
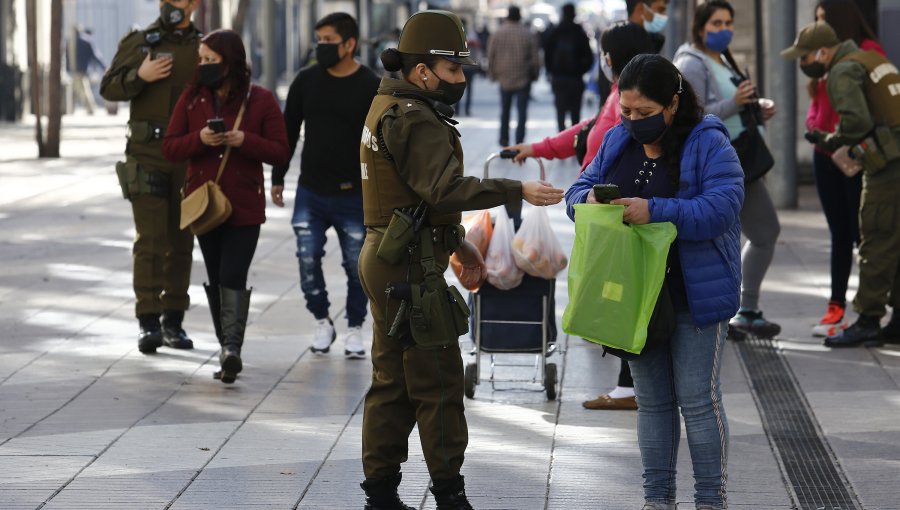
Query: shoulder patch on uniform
<point>409,105</point>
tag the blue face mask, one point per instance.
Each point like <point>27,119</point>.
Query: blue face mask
<point>657,24</point>
<point>719,41</point>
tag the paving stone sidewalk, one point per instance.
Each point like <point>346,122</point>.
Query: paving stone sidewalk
<point>87,422</point>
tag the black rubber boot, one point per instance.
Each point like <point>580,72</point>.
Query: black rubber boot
<point>150,338</point>
<point>173,334</point>
<point>235,305</point>
<point>451,494</point>
<point>215,307</point>
<point>866,331</point>
<point>381,494</point>
<point>215,311</point>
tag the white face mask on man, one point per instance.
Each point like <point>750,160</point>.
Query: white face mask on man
<point>657,24</point>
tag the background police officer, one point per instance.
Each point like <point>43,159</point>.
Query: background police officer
<point>864,88</point>
<point>150,69</point>
<point>410,154</point>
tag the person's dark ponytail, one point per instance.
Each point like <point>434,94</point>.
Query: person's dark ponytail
<point>392,60</point>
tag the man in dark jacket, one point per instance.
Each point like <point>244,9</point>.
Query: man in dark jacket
<point>85,55</point>
<point>567,54</point>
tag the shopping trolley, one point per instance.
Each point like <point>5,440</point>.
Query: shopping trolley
<point>521,320</point>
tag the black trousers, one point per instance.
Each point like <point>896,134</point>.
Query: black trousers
<point>840,197</point>
<point>567,93</point>
<point>227,253</point>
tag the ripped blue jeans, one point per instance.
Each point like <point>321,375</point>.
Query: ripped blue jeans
<point>314,214</point>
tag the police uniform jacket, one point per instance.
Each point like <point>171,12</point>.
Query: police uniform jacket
<point>848,93</point>
<point>151,103</point>
<point>242,181</point>
<point>409,154</point>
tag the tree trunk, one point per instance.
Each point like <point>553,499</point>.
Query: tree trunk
<point>35,72</point>
<point>54,122</point>
<point>237,23</point>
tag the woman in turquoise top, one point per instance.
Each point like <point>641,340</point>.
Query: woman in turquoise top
<point>708,65</point>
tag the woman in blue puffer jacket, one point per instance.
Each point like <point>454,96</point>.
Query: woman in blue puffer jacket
<point>673,164</point>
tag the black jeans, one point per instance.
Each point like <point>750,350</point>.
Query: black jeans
<point>506,97</point>
<point>227,253</point>
<point>567,93</point>
<point>840,196</point>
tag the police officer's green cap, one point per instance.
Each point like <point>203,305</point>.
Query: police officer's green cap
<point>811,38</point>
<point>438,33</point>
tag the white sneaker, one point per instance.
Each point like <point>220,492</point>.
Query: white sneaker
<point>324,336</point>
<point>353,344</point>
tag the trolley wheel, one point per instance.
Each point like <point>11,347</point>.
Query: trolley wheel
<point>550,380</point>
<point>471,379</point>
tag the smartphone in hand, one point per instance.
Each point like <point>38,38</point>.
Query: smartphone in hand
<point>163,55</point>
<point>216,125</point>
<point>604,193</point>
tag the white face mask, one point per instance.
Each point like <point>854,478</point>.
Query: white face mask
<point>605,68</point>
<point>657,24</point>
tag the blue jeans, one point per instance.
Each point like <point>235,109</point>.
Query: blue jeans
<point>685,373</point>
<point>314,214</point>
<point>506,97</point>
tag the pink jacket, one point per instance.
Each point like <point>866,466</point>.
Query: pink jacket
<point>821,115</point>
<point>562,146</point>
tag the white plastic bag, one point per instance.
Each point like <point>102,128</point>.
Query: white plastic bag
<point>502,271</point>
<point>535,247</point>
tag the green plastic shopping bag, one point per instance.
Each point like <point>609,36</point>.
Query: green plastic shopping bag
<point>615,275</point>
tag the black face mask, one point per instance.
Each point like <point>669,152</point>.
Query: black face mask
<point>327,55</point>
<point>451,93</point>
<point>814,70</point>
<point>171,16</point>
<point>211,75</point>
<point>647,130</point>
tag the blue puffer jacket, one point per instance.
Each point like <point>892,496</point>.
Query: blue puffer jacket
<point>705,210</point>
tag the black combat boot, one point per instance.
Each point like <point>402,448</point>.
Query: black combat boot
<point>450,494</point>
<point>865,331</point>
<point>235,305</point>
<point>173,334</point>
<point>381,494</point>
<point>890,334</point>
<point>150,337</point>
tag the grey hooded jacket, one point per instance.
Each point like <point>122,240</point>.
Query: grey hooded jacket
<point>695,68</point>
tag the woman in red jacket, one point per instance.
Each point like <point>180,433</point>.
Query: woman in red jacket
<point>220,87</point>
<point>838,193</point>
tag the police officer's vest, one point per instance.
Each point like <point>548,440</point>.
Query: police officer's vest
<point>882,87</point>
<point>383,188</point>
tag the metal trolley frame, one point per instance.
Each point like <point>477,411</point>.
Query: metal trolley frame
<point>544,373</point>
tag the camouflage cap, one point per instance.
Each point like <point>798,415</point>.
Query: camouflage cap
<point>438,33</point>
<point>811,37</point>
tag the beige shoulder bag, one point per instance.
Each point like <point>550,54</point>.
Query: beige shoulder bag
<point>207,207</point>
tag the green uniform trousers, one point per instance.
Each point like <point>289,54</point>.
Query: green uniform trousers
<point>409,385</point>
<point>879,249</point>
<point>162,251</point>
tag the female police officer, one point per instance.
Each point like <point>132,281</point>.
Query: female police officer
<point>413,192</point>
